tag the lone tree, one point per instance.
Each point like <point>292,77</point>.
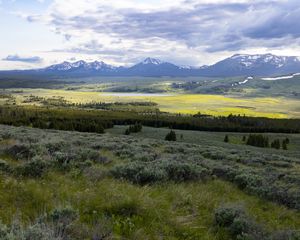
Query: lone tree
<point>127,131</point>
<point>284,145</point>
<point>171,136</point>
<point>226,139</point>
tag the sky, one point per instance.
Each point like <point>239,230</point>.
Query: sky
<point>38,33</point>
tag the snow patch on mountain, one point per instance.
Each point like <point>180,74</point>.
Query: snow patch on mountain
<point>281,78</point>
<point>152,61</point>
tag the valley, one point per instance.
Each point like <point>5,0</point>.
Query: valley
<point>150,120</point>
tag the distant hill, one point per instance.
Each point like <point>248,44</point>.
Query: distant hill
<point>237,65</point>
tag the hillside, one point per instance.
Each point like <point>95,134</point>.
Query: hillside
<point>81,185</point>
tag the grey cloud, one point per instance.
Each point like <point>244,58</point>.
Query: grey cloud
<point>17,58</point>
<point>216,27</point>
<point>282,23</point>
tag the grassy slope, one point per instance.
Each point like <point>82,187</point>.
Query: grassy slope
<point>168,211</point>
<point>215,138</point>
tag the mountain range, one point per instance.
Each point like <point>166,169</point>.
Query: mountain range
<point>236,65</point>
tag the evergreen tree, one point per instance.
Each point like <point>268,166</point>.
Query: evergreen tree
<point>181,136</point>
<point>171,136</point>
<point>127,131</point>
<point>284,145</point>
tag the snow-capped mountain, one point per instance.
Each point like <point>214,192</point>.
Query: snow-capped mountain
<point>263,65</point>
<point>152,61</point>
<point>152,67</point>
<point>80,65</point>
<point>257,65</point>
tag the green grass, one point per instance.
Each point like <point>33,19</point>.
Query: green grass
<point>175,211</point>
<point>165,210</point>
<point>214,138</point>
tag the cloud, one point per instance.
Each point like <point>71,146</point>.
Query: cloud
<point>17,58</point>
<point>162,27</point>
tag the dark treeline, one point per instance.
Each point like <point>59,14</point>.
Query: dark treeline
<point>15,82</point>
<point>259,140</point>
<point>69,120</point>
<point>91,120</point>
<point>217,124</point>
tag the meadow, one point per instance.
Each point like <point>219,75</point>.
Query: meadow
<point>183,103</point>
<point>70,185</point>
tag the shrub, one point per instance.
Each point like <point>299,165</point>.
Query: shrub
<point>245,180</point>
<point>34,168</point>
<point>180,172</point>
<point>240,226</point>
<point>62,219</point>
<point>140,173</point>
<point>20,151</point>
<point>144,173</point>
<point>40,231</point>
<point>4,166</point>
<point>37,231</point>
<point>3,231</point>
<point>95,174</point>
<point>287,234</point>
<point>225,216</point>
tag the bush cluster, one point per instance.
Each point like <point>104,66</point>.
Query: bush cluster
<point>34,168</point>
<point>242,227</point>
<point>145,173</point>
<point>238,223</point>
<point>54,227</point>
<point>4,166</point>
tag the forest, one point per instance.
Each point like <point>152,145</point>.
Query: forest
<point>84,120</point>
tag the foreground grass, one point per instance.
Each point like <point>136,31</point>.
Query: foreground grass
<point>168,211</point>
<point>80,176</point>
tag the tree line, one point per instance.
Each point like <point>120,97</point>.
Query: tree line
<point>92,120</point>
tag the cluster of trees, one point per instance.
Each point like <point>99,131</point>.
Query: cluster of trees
<point>259,140</point>
<point>16,115</point>
<point>277,144</point>
<point>137,127</point>
<point>59,119</point>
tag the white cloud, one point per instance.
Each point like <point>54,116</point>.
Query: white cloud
<point>183,31</point>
